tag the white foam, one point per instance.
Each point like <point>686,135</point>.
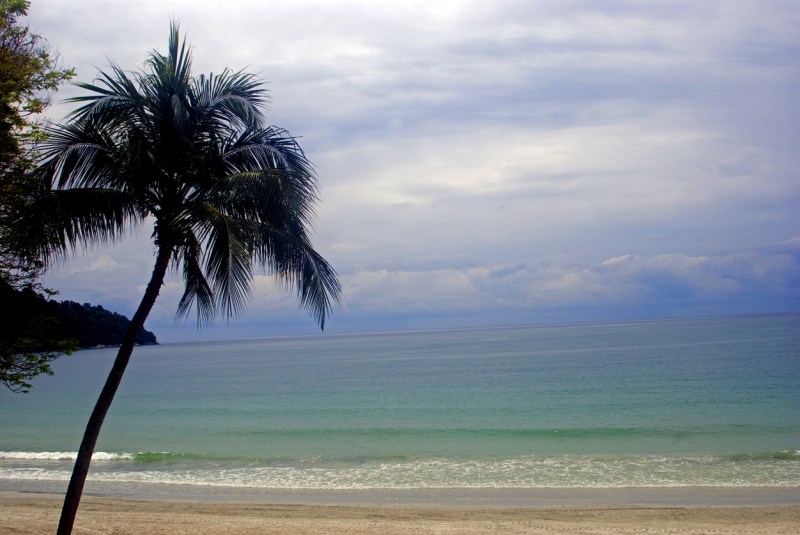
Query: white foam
<point>525,472</point>
<point>62,455</point>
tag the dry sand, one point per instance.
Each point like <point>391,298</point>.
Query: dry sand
<point>38,513</point>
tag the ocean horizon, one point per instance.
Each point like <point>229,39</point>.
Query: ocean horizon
<point>660,404</point>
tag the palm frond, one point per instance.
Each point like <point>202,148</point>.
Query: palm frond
<point>234,97</point>
<point>174,68</point>
<point>114,102</point>
<point>61,221</point>
<point>288,254</point>
<point>77,156</point>
<point>197,292</point>
<point>284,168</point>
<point>317,284</point>
<point>227,255</point>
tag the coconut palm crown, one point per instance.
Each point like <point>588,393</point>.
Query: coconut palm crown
<point>225,193</point>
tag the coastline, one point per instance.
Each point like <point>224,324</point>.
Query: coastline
<point>33,512</point>
<point>436,497</point>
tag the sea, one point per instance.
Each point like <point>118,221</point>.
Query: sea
<point>679,403</point>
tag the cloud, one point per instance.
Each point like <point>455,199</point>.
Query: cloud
<point>500,161</point>
<point>101,263</point>
<point>650,284</point>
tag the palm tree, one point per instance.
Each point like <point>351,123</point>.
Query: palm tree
<point>224,191</point>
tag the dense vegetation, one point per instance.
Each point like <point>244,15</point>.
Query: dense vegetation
<point>34,330</point>
<point>92,325</point>
<point>29,73</point>
<point>87,325</point>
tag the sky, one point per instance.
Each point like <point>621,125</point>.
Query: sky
<point>493,163</point>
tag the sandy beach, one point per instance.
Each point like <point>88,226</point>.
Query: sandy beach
<point>22,513</point>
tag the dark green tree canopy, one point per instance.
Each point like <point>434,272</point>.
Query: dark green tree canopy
<point>34,330</point>
<point>30,337</point>
<point>28,74</point>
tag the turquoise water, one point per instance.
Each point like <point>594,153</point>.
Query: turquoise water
<point>699,402</point>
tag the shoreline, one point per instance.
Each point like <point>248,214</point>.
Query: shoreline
<point>22,512</point>
<point>572,497</point>
<point>432,497</point>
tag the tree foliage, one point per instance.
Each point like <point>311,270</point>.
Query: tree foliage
<point>93,325</point>
<point>86,325</point>
<point>29,73</point>
<point>31,336</point>
<point>34,330</point>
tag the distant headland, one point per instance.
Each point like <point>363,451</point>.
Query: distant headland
<point>90,325</point>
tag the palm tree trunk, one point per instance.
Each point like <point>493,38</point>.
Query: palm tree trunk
<point>84,458</point>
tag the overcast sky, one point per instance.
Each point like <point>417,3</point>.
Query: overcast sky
<point>495,163</point>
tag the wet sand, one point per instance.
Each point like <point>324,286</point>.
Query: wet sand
<point>24,513</point>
